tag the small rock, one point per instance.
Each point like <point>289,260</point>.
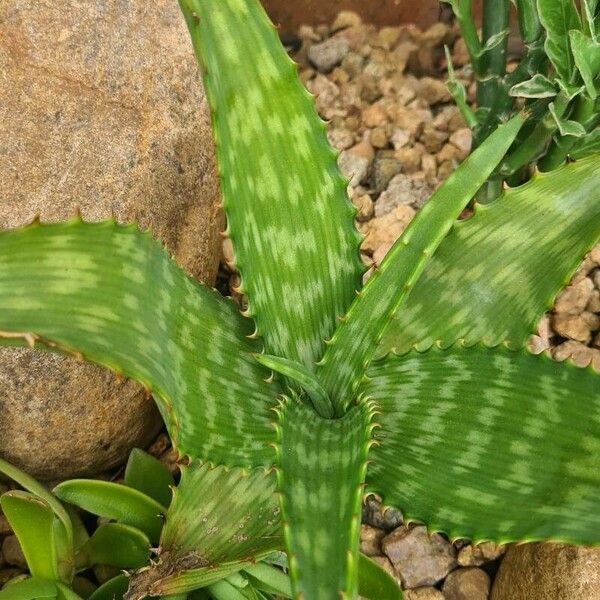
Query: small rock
<point>13,555</point>
<point>345,19</point>
<point>579,353</point>
<point>387,37</point>
<point>433,91</point>
<point>379,137</point>
<point>462,139</point>
<point>5,528</point>
<point>328,54</point>
<point>364,205</point>
<point>384,169</point>
<point>429,165</point>
<point>593,304</point>
<point>374,115</point>
<point>423,593</point>
<point>353,64</point>
<point>386,518</point>
<point>476,555</point>
<point>433,139</point>
<point>411,120</point>
<point>576,327</point>
<point>410,158</point>
<point>340,139</point>
<point>402,189</point>
<point>370,540</point>
<point>574,298</point>
<point>448,153</point>
<point>470,583</point>
<point>400,138</point>
<point>548,572</point>
<point>420,559</point>
<point>356,162</point>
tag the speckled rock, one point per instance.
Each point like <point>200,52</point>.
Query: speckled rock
<point>470,583</point>
<point>101,107</point>
<point>548,571</point>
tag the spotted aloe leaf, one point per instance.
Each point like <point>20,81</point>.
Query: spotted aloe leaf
<point>112,295</point>
<point>322,465</point>
<point>357,336</point>
<point>489,444</point>
<point>288,215</point>
<point>220,520</point>
<point>496,273</point>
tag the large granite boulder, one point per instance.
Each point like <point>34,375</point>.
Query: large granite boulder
<point>548,572</point>
<point>102,108</point>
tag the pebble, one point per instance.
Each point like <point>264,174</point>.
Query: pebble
<point>469,583</point>
<point>476,555</point>
<point>370,540</point>
<point>9,573</point>
<point>328,54</point>
<point>13,555</point>
<point>374,514</point>
<point>462,140</point>
<point>385,167</point>
<point>419,558</point>
<point>403,190</point>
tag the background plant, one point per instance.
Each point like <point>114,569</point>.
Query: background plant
<point>374,391</point>
<point>556,81</point>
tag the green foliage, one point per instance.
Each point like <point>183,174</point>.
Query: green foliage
<point>286,388</point>
<point>556,82</point>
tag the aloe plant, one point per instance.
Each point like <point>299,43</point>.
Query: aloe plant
<point>556,80</point>
<point>417,386</point>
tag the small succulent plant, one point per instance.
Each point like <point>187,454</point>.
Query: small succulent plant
<point>417,386</point>
<point>556,81</point>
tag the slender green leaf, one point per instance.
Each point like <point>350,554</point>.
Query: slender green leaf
<point>496,273</point>
<point>357,336</point>
<point>64,592</point>
<point>529,20</point>
<point>116,545</point>
<point>558,18</point>
<point>586,53</point>
<point>111,294</point>
<point>114,501</point>
<point>223,590</point>
<point>538,86</point>
<point>30,588</point>
<point>220,520</point>
<point>489,444</point>
<point>303,376</point>
<point>32,520</point>
<point>590,9</point>
<point>322,464</point>
<point>288,215</point>
<point>590,144</point>
<point>113,589</point>
<point>375,583</point>
<point>149,476</point>
<point>269,579</point>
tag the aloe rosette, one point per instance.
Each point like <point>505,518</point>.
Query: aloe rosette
<point>417,386</point>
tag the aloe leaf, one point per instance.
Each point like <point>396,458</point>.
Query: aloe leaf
<point>220,520</point>
<point>32,520</point>
<point>357,336</point>
<point>111,294</point>
<point>288,215</point>
<point>303,376</point>
<point>375,583</point>
<point>148,475</point>
<point>116,545</point>
<point>586,53</point>
<point>114,501</point>
<point>64,592</point>
<point>488,443</point>
<point>558,17</point>
<point>496,273</point>
<point>113,589</point>
<point>29,589</point>
<point>322,464</point>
